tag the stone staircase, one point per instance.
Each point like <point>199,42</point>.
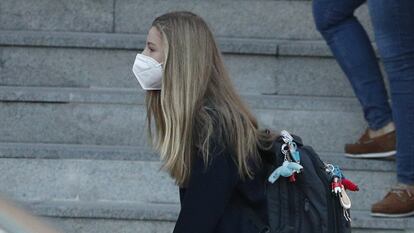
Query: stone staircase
<point>73,145</point>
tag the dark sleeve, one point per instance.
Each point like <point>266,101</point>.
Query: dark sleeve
<point>208,193</point>
<point>182,194</point>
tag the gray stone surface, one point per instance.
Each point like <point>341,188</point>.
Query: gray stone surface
<point>72,95</point>
<point>73,225</point>
<point>134,96</point>
<point>253,74</point>
<point>75,15</point>
<point>105,124</point>
<point>362,219</point>
<point>305,48</point>
<point>87,180</point>
<point>103,209</point>
<point>63,67</point>
<point>126,41</point>
<point>125,226</point>
<point>72,39</point>
<point>77,151</point>
<point>103,226</point>
<point>373,187</point>
<point>248,19</point>
<point>136,153</point>
<point>316,127</point>
<point>306,76</point>
<point>350,164</point>
<point>72,123</point>
<point>308,48</point>
<point>116,117</point>
<point>232,45</point>
<point>110,68</point>
<point>66,67</point>
<point>133,216</point>
<point>131,181</point>
<point>128,226</point>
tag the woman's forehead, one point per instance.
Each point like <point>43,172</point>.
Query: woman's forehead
<point>154,36</point>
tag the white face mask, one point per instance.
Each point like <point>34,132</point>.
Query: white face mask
<point>148,72</point>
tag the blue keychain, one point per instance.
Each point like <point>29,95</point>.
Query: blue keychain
<point>287,169</point>
<point>294,153</point>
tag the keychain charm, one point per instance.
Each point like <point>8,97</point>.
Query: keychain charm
<point>286,170</point>
<point>291,165</point>
<point>338,186</point>
<point>293,151</point>
<point>338,180</point>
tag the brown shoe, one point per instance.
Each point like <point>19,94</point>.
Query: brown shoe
<point>399,202</point>
<point>377,147</point>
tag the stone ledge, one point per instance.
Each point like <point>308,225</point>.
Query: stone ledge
<point>136,153</point>
<point>137,42</point>
<point>72,39</point>
<point>308,48</point>
<point>76,151</point>
<point>135,96</point>
<point>276,47</point>
<point>169,212</point>
<point>72,95</point>
<point>106,210</point>
<point>362,219</point>
<point>348,164</point>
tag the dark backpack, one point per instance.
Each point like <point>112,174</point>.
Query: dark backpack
<point>306,205</point>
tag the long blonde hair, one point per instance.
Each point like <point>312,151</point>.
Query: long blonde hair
<point>195,85</point>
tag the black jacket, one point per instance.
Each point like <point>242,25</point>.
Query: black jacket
<point>211,203</point>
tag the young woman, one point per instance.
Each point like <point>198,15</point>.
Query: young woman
<point>207,137</point>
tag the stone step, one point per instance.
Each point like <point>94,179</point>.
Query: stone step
<point>105,217</point>
<point>108,62</point>
<point>68,59</point>
<point>138,153</point>
<point>86,180</point>
<point>77,151</point>
<point>367,173</point>
<point>100,116</point>
<point>259,19</point>
<point>140,181</point>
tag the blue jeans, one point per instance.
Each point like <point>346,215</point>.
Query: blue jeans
<point>393,22</point>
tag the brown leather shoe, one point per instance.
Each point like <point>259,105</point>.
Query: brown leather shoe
<point>377,147</point>
<point>399,202</point>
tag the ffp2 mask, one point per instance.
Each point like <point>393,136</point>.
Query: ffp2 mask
<point>148,72</point>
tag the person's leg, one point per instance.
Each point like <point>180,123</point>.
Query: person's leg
<point>352,49</point>
<point>394,32</point>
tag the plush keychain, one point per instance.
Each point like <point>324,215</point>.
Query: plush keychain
<point>289,149</point>
<point>339,185</point>
<point>286,170</point>
<point>349,185</point>
<point>291,166</point>
<point>339,181</point>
